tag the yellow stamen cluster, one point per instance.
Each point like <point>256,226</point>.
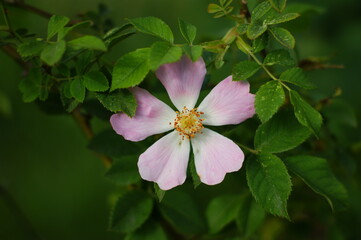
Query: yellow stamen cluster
<point>188,122</point>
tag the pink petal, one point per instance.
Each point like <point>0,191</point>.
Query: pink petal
<point>183,81</point>
<point>152,116</point>
<point>214,156</point>
<point>165,162</point>
<point>230,102</point>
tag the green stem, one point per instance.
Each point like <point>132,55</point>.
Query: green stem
<point>5,14</point>
<point>73,56</point>
<point>62,79</point>
<point>8,23</point>
<point>250,53</point>
<point>84,124</point>
<point>284,85</point>
<point>13,54</point>
<point>248,148</point>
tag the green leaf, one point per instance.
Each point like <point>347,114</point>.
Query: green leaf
<point>66,89</point>
<point>225,3</point>
<point>181,211</point>
<point>162,53</point>
<point>149,231</point>
<point>269,183</point>
<point>56,23</point>
<point>111,42</point>
<point>316,173</point>
<point>64,31</point>
<point>280,133</point>
<point>69,103</point>
<point>255,29</point>
<point>153,26</point>
<point>221,211</point>
<point>115,31</point>
<point>243,46</point>
<point>62,70</point>
<point>250,216</point>
<point>215,46</point>
<point>83,60</point>
<point>130,69</point>
<point>283,36</point>
<point>218,60</point>
<point>297,77</point>
<point>53,52</point>
<point>187,30</point>
<point>118,101</point>
<point>228,10</point>
<point>195,177</point>
<point>77,89</point>
<point>96,81</point>
<point>131,211</point>
<point>280,56</point>
<point>124,171</point>
<point>282,18</point>
<point>115,35</point>
<point>306,115</point>
<point>269,98</point>
<point>244,70</point>
<point>219,14</point>
<point>32,48</point>
<point>194,52</point>
<point>30,86</point>
<point>214,8</point>
<point>260,10</point>
<point>44,90</point>
<point>260,43</point>
<point>242,29</point>
<point>159,192</point>
<point>87,42</point>
<point>279,5</point>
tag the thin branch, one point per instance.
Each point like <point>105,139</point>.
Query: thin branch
<point>309,65</point>
<point>328,100</point>
<point>250,53</point>
<point>84,124</point>
<point>35,10</point>
<point>170,230</point>
<point>244,11</point>
<point>253,151</point>
<point>12,53</point>
<point>8,23</point>
<point>5,14</point>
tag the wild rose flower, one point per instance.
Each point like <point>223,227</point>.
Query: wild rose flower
<point>165,162</point>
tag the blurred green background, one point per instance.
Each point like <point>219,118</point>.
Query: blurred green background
<point>58,184</point>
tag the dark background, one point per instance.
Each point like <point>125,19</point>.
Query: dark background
<point>44,164</point>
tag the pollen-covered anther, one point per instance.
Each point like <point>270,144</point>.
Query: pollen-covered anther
<point>188,122</point>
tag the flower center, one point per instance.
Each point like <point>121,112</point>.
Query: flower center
<point>188,122</point>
